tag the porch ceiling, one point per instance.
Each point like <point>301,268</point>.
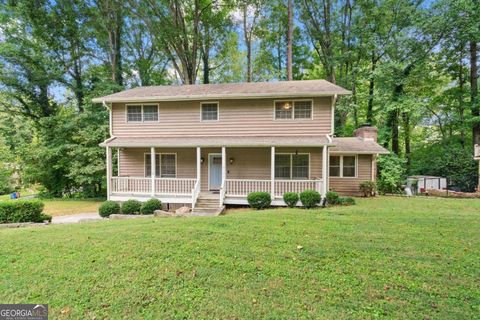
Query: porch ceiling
<point>234,141</point>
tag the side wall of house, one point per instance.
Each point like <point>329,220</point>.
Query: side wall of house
<point>248,117</point>
<point>248,163</point>
<point>350,186</point>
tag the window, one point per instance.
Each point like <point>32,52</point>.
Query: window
<point>283,110</point>
<point>169,166</point>
<point>292,166</point>
<point>165,165</point>
<point>209,111</point>
<point>150,113</point>
<point>134,113</point>
<point>142,113</point>
<point>343,166</point>
<point>301,109</point>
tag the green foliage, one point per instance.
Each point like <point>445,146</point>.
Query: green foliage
<point>22,211</point>
<point>150,206</point>
<point>107,208</point>
<point>391,174</point>
<point>332,198</point>
<point>259,200</point>
<point>291,199</point>
<point>368,188</point>
<point>131,207</point>
<point>310,198</point>
<point>447,160</point>
<point>346,201</point>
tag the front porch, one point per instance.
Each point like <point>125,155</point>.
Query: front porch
<point>180,175</point>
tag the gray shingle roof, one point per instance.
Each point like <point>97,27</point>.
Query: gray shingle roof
<point>251,90</point>
<point>242,141</point>
<point>357,145</point>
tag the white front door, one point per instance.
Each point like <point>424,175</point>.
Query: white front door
<point>214,171</point>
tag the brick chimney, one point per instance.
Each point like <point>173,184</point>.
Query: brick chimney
<point>366,132</point>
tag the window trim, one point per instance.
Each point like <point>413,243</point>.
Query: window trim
<point>218,111</point>
<point>293,110</point>
<point>159,154</point>
<point>142,105</point>
<point>291,167</point>
<point>341,165</point>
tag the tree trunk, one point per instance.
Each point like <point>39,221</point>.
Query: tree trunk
<point>248,37</point>
<point>461,109</point>
<point>406,127</point>
<point>79,94</point>
<point>474,92</point>
<point>290,41</point>
<point>371,90</point>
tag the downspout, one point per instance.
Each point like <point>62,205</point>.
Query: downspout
<point>332,128</point>
<point>109,108</point>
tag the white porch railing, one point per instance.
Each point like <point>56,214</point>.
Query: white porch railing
<point>195,193</point>
<point>163,186</point>
<point>242,187</point>
<point>135,185</point>
<point>297,186</point>
<point>174,186</point>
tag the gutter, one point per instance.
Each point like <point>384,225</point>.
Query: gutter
<point>109,108</point>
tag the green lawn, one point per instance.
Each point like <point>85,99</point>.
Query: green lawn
<point>383,258</point>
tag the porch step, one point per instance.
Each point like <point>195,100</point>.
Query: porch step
<point>207,204</point>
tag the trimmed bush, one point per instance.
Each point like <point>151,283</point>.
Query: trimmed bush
<point>150,206</point>
<point>332,198</point>
<point>107,208</point>
<point>44,217</point>
<point>346,201</point>
<point>368,188</point>
<point>22,211</point>
<point>259,200</point>
<point>290,198</point>
<point>131,207</point>
<point>310,198</point>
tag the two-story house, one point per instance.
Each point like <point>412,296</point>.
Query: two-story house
<point>219,142</point>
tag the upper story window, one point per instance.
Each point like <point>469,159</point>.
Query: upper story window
<point>209,111</point>
<point>343,166</point>
<point>142,113</point>
<point>292,166</point>
<point>291,109</point>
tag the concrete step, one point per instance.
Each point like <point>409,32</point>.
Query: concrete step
<point>212,202</point>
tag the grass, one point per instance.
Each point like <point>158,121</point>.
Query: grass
<point>383,258</point>
<point>61,207</point>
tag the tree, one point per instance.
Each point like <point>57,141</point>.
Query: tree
<point>290,41</point>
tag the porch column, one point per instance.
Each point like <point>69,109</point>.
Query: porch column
<point>224,165</point>
<point>324,171</point>
<point>152,171</point>
<point>109,172</point>
<point>199,160</point>
<point>272,173</point>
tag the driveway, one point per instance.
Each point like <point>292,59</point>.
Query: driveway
<point>75,218</point>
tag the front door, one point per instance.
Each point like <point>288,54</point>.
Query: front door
<point>214,171</point>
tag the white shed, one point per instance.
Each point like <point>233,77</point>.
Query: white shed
<point>425,183</point>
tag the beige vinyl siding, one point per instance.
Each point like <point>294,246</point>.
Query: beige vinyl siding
<point>132,161</point>
<point>350,186</point>
<point>249,163</point>
<point>254,117</point>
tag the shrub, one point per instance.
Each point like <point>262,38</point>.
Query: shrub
<point>310,198</point>
<point>346,201</point>
<point>332,198</point>
<point>391,174</point>
<point>44,217</point>
<point>131,207</point>
<point>368,188</point>
<point>107,208</point>
<point>259,200</point>
<point>290,198</point>
<point>21,211</point>
<point>150,206</point>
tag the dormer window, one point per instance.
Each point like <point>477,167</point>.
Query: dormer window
<point>209,111</point>
<point>142,113</point>
<point>293,109</point>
